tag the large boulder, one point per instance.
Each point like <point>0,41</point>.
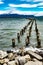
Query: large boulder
<point>3,54</point>
<point>24,58</point>
<point>12,56</point>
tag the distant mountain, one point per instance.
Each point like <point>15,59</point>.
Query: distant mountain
<point>20,16</point>
<point>39,17</point>
<point>15,16</point>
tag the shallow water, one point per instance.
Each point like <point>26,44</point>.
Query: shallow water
<point>9,27</point>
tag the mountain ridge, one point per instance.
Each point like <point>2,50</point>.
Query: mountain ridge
<point>20,16</point>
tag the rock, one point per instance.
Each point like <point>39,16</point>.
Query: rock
<point>20,58</point>
<point>21,62</point>
<point>22,52</point>
<point>16,62</point>
<point>2,61</point>
<point>3,54</point>
<point>29,63</point>
<point>11,63</point>
<point>27,57</point>
<point>4,64</point>
<point>11,56</point>
<point>15,50</point>
<point>35,55</point>
<point>33,63</point>
<point>24,58</point>
<point>6,60</point>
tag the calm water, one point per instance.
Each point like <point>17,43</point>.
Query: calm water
<point>9,27</point>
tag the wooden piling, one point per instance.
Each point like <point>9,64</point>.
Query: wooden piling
<point>37,34</point>
<point>13,42</point>
<point>18,37</point>
<point>27,41</point>
<point>30,29</point>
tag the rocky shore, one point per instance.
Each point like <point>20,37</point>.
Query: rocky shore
<point>25,55</point>
<point>21,56</point>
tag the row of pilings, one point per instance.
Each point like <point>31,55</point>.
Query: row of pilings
<point>27,40</point>
<point>37,36</point>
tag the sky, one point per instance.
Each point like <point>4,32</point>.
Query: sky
<point>25,7</point>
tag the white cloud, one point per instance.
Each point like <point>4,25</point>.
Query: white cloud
<point>23,5</point>
<point>4,12</point>
<point>35,13</point>
<point>1,2</point>
<point>14,11</point>
<point>32,0</point>
<point>26,5</point>
<point>37,0</point>
<point>40,3</point>
<point>39,13</point>
<point>26,0</point>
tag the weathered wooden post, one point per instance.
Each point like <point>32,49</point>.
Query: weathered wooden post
<point>37,34</point>
<point>22,31</point>
<point>27,41</point>
<point>29,23</point>
<point>30,32</point>
<point>18,37</point>
<point>13,42</point>
<point>38,43</point>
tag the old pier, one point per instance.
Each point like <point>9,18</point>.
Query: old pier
<point>23,55</point>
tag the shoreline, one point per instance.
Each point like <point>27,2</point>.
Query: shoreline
<point>24,56</point>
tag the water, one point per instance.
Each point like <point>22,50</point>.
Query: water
<point>9,27</point>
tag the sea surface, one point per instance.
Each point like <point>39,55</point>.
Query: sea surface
<point>9,27</point>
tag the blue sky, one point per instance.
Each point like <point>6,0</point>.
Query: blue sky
<point>25,7</point>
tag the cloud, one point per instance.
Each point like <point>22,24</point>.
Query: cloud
<point>39,5</point>
<point>35,13</point>
<point>39,13</point>
<point>26,0</point>
<point>1,2</point>
<point>15,11</point>
<point>4,12</point>
<point>37,0</point>
<point>23,5</point>
<point>32,0</point>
